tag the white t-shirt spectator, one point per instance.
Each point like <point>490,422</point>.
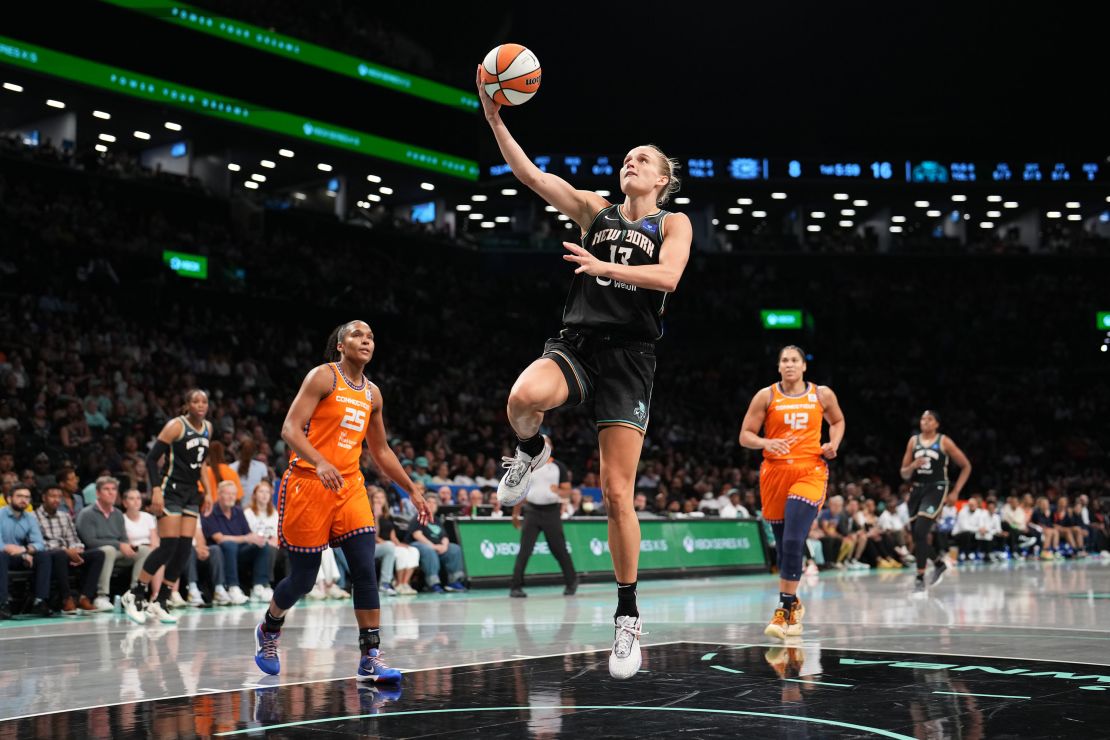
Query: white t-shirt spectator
<point>483,481</point>
<point>255,475</point>
<point>728,511</point>
<point>138,533</point>
<point>262,524</point>
<point>1015,517</point>
<point>971,521</point>
<point>889,521</point>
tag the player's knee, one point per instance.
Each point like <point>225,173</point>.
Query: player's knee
<point>525,398</point>
<point>617,496</point>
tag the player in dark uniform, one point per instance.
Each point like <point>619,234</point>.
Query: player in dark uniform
<point>631,256</point>
<point>926,463</point>
<point>175,500</point>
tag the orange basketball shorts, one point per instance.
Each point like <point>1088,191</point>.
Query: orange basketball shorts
<point>779,480</point>
<point>310,517</point>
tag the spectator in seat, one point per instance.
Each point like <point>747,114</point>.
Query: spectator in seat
<point>445,497</point>
<point>399,560</point>
<point>263,520</point>
<point>437,551</point>
<point>8,481</point>
<point>1041,520</point>
<point>67,554</point>
<point>226,526</point>
<point>142,532</point>
<point>24,549</point>
<point>972,529</point>
<point>219,471</point>
<point>251,471</point>
<point>101,527</point>
<point>1070,527</point>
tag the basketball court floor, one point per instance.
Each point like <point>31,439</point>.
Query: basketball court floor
<point>996,651</point>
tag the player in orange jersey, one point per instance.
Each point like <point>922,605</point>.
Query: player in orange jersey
<point>794,475</point>
<point>323,498</point>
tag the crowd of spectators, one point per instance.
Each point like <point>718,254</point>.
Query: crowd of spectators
<point>98,342</point>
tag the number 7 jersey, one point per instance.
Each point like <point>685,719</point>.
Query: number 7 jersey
<point>794,416</point>
<point>338,425</point>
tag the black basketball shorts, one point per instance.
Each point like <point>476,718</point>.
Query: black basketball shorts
<point>181,498</point>
<point>927,499</point>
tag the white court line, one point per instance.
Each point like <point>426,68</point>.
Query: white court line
<point>852,648</point>
<point>303,683</point>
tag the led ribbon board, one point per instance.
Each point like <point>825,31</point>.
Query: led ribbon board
<point>186,265</point>
<point>261,39</point>
<point>153,89</point>
<point>781,318</point>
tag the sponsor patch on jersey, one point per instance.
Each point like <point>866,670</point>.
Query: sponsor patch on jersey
<point>650,227</point>
<point>813,398</point>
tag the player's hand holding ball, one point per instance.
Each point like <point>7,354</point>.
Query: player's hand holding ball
<point>509,75</point>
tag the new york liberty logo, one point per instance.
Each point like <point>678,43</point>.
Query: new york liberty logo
<point>640,412</point>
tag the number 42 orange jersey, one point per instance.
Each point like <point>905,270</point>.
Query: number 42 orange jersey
<point>338,426</point>
<point>794,416</point>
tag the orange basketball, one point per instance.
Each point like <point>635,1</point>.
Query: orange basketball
<point>510,74</point>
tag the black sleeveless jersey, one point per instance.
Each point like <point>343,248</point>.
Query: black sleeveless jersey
<point>604,304</point>
<point>936,469</point>
<point>187,454</point>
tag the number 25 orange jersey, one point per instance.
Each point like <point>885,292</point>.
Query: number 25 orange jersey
<point>794,416</point>
<point>338,425</point>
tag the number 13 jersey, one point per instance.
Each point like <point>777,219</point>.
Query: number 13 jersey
<point>606,305</point>
<point>338,425</point>
<point>794,416</point>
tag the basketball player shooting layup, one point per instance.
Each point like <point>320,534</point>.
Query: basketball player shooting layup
<point>631,256</point>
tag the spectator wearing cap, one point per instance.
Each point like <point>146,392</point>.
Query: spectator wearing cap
<point>420,474</point>
<point>72,499</point>
<point>734,509</point>
<point>101,527</point>
<point>67,554</point>
<point>23,549</point>
<point>43,477</point>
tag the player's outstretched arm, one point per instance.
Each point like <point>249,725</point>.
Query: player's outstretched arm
<point>378,443</point>
<point>581,206</point>
<point>317,384</point>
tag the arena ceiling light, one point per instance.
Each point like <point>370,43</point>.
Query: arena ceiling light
<point>813,227</point>
<point>102,115</point>
<point>268,164</point>
<point>735,211</point>
<point>861,203</point>
<point>778,196</point>
<point>385,190</point>
<point>732,227</point>
<point>959,198</point>
<point>512,191</point>
<point>847,211</point>
<point>994,198</point>
<point>258,178</point>
<point>921,204</point>
<point>502,219</point>
<point>748,201</point>
<point>817,214</point>
<point>251,184</point>
<point>1074,217</point>
<point>323,167</point>
<point>845,224</point>
<point>551,209</point>
<point>299,196</point>
<point>602,193</point>
<point>759,214</point>
<point>475,217</point>
<point>100,148</point>
<point>1073,204</point>
<point>427,186</point>
<point>172,126</point>
<point>233,167</point>
<point>681,201</point>
<point>55,103</point>
<point>106,137</point>
<point>479,198</point>
<point>994,214</point>
<point>986,225</point>
<point>1010,204</point>
<point>840,196</point>
<point>1053,214</point>
<point>13,87</point>
<point>142,135</point>
<point>373,178</point>
<point>563,217</point>
<point>463,207</point>
<point>286,153</point>
<point>568,225</point>
<point>895,229</point>
<point>374,197</point>
<point>933,213</point>
<point>487,224</point>
<point>716,221</point>
<point>898,219</point>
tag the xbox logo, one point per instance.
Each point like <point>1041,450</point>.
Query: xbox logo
<point>363,70</point>
<point>772,319</point>
<point>688,543</point>
<point>596,547</point>
<point>487,549</point>
<point>307,128</point>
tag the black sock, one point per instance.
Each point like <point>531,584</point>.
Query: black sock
<point>369,639</point>
<point>787,601</point>
<point>272,624</point>
<point>626,600</point>
<point>140,591</point>
<point>921,577</point>
<point>164,594</point>
<point>533,445</point>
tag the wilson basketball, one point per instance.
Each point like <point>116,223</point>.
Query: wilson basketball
<point>510,74</point>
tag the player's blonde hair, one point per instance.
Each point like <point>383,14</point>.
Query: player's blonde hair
<point>669,167</point>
